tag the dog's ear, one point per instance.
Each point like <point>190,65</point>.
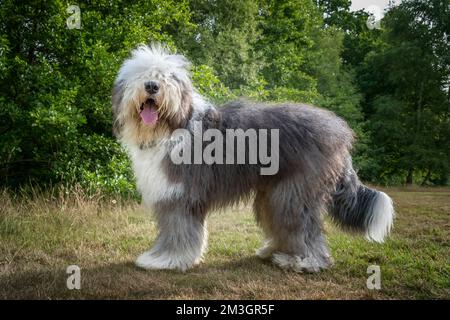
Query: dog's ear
<point>116,99</point>
<point>186,99</point>
<point>182,117</point>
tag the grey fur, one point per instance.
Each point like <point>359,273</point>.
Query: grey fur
<point>181,241</point>
<point>315,175</point>
<point>352,202</point>
<point>314,147</point>
<point>352,206</point>
<point>117,95</point>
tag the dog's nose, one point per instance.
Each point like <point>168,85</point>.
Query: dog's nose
<point>151,87</point>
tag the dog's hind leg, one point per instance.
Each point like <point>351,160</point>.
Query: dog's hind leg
<point>262,211</point>
<point>304,248</point>
<point>293,228</point>
<point>181,241</point>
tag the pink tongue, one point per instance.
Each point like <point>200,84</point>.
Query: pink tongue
<point>149,115</point>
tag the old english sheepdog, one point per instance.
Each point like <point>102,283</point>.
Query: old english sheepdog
<point>160,118</point>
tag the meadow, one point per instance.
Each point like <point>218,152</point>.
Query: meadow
<point>43,233</point>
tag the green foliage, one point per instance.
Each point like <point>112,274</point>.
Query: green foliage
<point>391,85</point>
<point>406,81</point>
<point>287,30</point>
<point>55,87</point>
<point>96,162</point>
<point>224,39</point>
<point>207,83</point>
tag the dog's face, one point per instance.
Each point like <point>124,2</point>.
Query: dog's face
<point>152,94</point>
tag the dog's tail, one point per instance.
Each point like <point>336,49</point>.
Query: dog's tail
<point>356,207</point>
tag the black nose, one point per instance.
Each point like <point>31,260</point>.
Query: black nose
<point>151,87</point>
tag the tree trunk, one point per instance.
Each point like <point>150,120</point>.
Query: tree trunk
<point>409,177</point>
<point>426,178</point>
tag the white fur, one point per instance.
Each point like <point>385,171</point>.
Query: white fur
<point>199,104</point>
<point>296,263</point>
<point>147,60</point>
<point>151,180</point>
<point>152,63</point>
<point>266,251</point>
<point>383,216</point>
<point>164,256</point>
<point>182,239</point>
<point>152,261</point>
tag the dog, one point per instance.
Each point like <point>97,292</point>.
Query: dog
<point>153,98</point>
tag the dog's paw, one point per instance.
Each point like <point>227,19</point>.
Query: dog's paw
<point>266,251</point>
<point>158,261</point>
<point>298,264</point>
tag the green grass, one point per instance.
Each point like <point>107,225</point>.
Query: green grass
<point>41,235</point>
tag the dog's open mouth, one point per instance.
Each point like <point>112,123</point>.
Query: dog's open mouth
<point>148,113</point>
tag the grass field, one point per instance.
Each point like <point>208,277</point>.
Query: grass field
<point>41,235</point>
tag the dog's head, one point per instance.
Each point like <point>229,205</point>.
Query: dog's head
<point>152,94</point>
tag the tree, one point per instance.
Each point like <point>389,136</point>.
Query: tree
<point>406,85</point>
<point>286,37</point>
<point>223,38</point>
<point>358,38</point>
<point>55,112</point>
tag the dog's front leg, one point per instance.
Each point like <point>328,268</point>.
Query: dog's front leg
<point>181,241</point>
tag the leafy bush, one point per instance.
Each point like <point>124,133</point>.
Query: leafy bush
<point>207,83</point>
<point>391,85</point>
<point>55,84</point>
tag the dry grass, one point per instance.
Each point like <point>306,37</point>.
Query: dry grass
<point>41,235</point>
